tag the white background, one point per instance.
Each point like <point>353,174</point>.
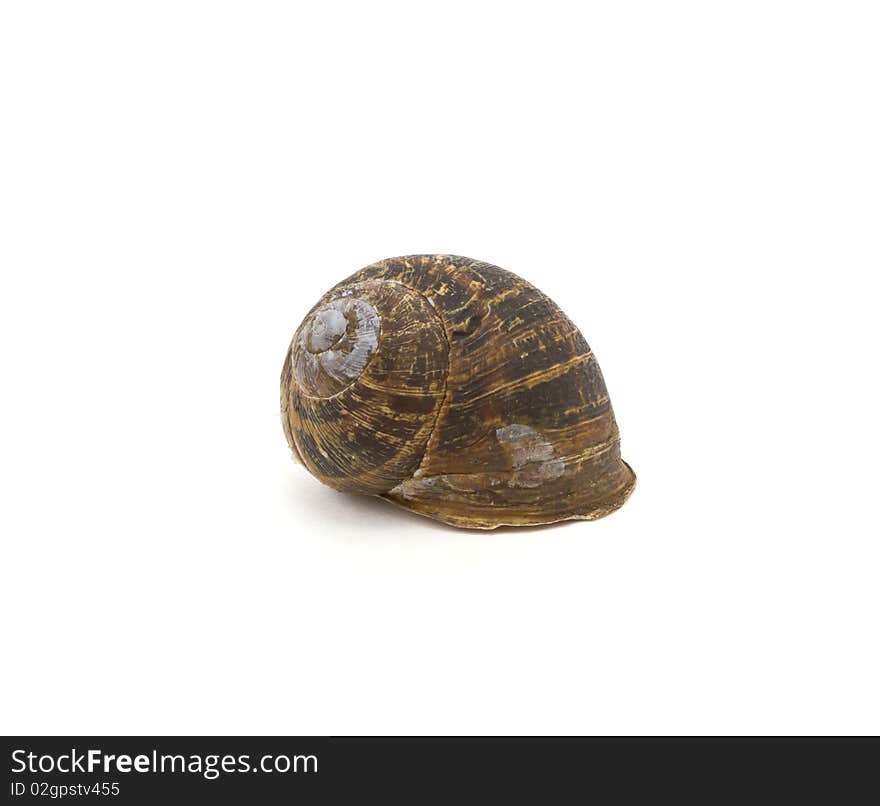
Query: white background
<point>695,183</point>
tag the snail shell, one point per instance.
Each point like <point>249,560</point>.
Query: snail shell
<point>457,390</point>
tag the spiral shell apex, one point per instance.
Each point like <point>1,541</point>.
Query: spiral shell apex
<point>457,390</point>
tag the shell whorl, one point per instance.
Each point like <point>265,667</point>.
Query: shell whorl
<point>334,344</point>
<point>363,383</point>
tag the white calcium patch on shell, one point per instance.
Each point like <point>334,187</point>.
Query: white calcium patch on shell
<point>531,454</point>
<point>326,328</point>
<point>335,344</point>
<point>532,458</point>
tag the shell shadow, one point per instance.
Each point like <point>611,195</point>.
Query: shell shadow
<point>355,511</point>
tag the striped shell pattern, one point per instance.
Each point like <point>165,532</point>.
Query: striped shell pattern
<point>456,390</point>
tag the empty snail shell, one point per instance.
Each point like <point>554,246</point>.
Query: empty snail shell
<point>456,390</point>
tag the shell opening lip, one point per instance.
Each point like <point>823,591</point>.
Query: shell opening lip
<point>489,521</point>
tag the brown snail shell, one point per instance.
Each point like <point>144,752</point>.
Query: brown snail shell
<point>457,390</point>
